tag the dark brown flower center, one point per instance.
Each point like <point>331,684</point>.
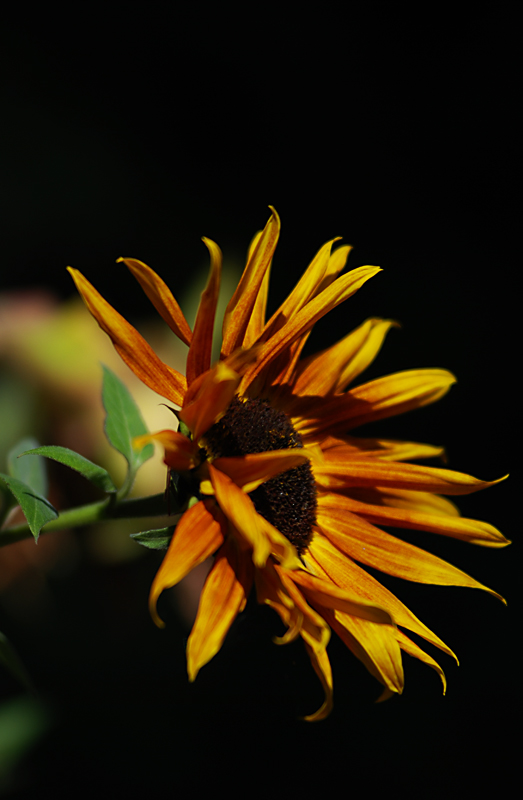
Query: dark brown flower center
<point>287,501</point>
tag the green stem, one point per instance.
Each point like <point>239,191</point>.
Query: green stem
<point>152,506</point>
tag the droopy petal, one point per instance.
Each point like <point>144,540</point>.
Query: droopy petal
<point>369,545</point>
<point>375,645</point>
<point>251,471</point>
<point>425,502</point>
<point>239,309</point>
<point>161,297</point>
<point>239,508</point>
<point>328,595</point>
<point>130,346</point>
<point>180,452</point>
<point>412,649</point>
<point>223,596</point>
<point>322,668</point>
<point>338,291</point>
<point>198,535</point>
<point>374,472</point>
<point>469,530</point>
<point>331,563</point>
<point>215,393</point>
<point>384,397</point>
<point>199,355</point>
<point>333,369</point>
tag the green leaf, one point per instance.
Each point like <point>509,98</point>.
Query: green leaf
<point>36,508</point>
<point>123,422</point>
<point>97,475</point>
<point>155,540</point>
<point>11,661</point>
<point>32,472</point>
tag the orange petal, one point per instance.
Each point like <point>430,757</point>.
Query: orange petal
<point>210,403</point>
<point>304,320</point>
<point>374,472</point>
<point>330,563</point>
<point>328,595</point>
<point>130,346</point>
<point>369,545</point>
<point>252,470</point>
<point>333,369</point>
<point>425,502</point>
<point>161,297</point>
<point>199,355</point>
<point>468,530</point>
<point>256,322</point>
<point>223,597</point>
<point>242,303</point>
<point>322,668</point>
<point>180,452</point>
<point>198,535</point>
<point>239,508</point>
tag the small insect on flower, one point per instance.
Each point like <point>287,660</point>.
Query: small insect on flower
<point>285,497</point>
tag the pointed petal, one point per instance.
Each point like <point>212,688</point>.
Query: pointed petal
<point>239,310</point>
<point>339,291</point>
<point>412,649</point>
<point>209,404</point>
<point>130,345</point>
<point>223,596</point>
<point>369,545</point>
<point>161,297</point>
<point>384,449</point>
<point>199,355</point>
<point>374,472</point>
<point>338,259</point>
<point>198,535</point>
<point>239,509</point>
<point>468,530</point>
<point>333,369</point>
<point>256,322</point>
<point>305,290</point>
<point>329,562</point>
<point>251,471</point>
<point>403,498</point>
<point>180,452</point>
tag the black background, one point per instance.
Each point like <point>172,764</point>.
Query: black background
<point>135,134</point>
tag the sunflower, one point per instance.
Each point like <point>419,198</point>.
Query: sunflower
<point>284,497</point>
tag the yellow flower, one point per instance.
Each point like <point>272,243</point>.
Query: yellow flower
<point>287,499</point>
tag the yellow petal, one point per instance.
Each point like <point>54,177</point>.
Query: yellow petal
<point>256,322</point>
<point>367,544</point>
<point>180,452</point>
<point>469,530</point>
<point>239,508</point>
<point>215,392</point>
<point>384,449</point>
<point>223,596</point>
<point>130,345</point>
<point>374,472</point>
<point>330,563</point>
<point>199,533</point>
<point>305,290</point>
<point>161,297</point>
<point>199,355</point>
<point>339,291</point>
<point>240,307</point>
<point>425,502</point>
<point>333,369</point>
<point>412,649</point>
<point>337,261</point>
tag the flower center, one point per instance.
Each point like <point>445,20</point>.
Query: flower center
<point>287,501</point>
